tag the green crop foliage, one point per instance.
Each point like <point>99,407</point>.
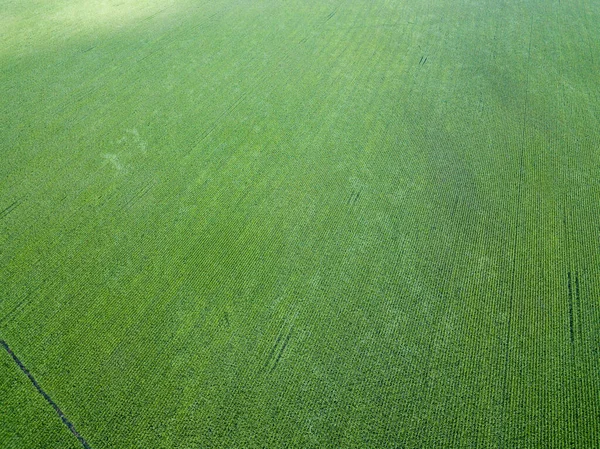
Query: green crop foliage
<point>269,224</point>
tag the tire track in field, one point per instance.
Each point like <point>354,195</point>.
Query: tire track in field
<point>7,210</point>
<point>278,348</point>
<point>45,395</point>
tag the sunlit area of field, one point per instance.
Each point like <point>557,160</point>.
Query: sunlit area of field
<point>273,224</point>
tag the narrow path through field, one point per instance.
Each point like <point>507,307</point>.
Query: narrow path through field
<point>48,399</point>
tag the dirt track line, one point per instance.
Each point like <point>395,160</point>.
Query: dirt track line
<point>48,399</point>
<point>9,209</point>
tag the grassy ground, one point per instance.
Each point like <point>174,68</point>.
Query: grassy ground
<point>300,224</point>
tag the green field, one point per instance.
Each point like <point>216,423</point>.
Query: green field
<point>299,224</point>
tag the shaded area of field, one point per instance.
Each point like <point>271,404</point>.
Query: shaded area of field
<point>263,223</point>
